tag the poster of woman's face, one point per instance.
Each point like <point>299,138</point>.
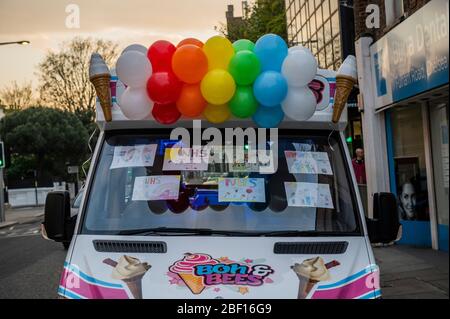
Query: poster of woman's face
<point>407,202</point>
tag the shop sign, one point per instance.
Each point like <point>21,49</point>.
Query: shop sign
<point>413,57</point>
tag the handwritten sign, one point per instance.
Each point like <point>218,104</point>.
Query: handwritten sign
<point>134,156</point>
<point>308,195</point>
<point>161,187</point>
<point>185,159</point>
<point>308,162</point>
<point>242,190</point>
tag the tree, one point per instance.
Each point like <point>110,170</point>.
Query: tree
<point>265,16</point>
<point>64,76</point>
<point>43,139</point>
<point>16,97</point>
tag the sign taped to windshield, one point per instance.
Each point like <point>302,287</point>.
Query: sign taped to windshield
<point>134,156</point>
<point>185,159</point>
<point>161,187</point>
<point>308,163</point>
<point>308,195</point>
<point>242,190</point>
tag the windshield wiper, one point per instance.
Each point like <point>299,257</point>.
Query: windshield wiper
<point>181,231</point>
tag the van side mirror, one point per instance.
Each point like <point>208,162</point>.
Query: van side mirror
<point>383,228</point>
<point>57,216</point>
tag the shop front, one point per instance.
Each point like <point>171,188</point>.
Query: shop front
<point>410,76</point>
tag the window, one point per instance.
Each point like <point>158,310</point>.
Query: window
<point>326,10</point>
<point>335,27</point>
<point>112,206</point>
<point>327,31</point>
<point>333,6</point>
<point>322,58</point>
<point>330,58</point>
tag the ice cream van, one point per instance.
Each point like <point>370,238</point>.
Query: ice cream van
<point>158,221</point>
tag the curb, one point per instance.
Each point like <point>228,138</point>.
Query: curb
<point>7,224</point>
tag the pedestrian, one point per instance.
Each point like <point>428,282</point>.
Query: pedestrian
<point>359,166</point>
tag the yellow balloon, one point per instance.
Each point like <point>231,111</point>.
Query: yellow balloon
<point>219,51</point>
<point>217,113</point>
<point>218,87</point>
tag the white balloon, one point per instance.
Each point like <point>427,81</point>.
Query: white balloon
<point>135,47</point>
<point>135,103</point>
<point>299,48</point>
<point>120,89</point>
<point>134,69</point>
<point>299,68</point>
<point>299,104</point>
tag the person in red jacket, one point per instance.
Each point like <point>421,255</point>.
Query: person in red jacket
<point>359,167</point>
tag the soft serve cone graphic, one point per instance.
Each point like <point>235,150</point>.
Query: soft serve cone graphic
<point>310,272</point>
<point>131,271</point>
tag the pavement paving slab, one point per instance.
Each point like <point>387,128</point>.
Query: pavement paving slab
<point>412,273</point>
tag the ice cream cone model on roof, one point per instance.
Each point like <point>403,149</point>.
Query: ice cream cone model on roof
<point>346,78</point>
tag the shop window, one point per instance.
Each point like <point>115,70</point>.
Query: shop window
<point>439,142</point>
<point>409,163</point>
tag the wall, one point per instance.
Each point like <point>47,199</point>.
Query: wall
<point>410,6</point>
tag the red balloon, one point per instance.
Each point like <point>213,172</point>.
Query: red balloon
<point>164,87</point>
<point>160,54</point>
<point>166,113</point>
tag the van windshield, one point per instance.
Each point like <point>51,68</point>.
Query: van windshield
<point>138,187</point>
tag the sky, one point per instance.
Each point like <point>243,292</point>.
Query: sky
<point>43,23</point>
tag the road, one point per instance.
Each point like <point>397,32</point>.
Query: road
<point>30,266</point>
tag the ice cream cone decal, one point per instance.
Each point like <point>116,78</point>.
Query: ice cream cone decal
<point>345,80</point>
<point>310,272</point>
<point>100,77</point>
<point>185,270</point>
<point>131,271</point>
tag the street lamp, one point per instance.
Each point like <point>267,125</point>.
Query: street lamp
<point>22,42</point>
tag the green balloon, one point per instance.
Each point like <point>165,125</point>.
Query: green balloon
<point>243,44</point>
<point>244,67</point>
<point>243,104</point>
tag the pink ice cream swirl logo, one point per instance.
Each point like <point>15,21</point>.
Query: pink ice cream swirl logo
<point>188,263</point>
<point>201,270</point>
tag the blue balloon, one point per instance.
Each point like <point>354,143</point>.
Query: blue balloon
<point>268,117</point>
<point>271,50</point>
<point>270,88</point>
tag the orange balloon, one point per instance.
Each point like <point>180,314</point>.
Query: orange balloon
<point>191,102</point>
<point>190,64</point>
<point>193,41</point>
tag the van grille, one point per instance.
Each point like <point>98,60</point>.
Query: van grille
<point>311,248</point>
<point>116,246</point>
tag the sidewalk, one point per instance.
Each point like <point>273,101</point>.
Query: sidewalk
<point>413,273</point>
<point>23,215</point>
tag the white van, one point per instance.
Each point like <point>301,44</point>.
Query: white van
<point>152,228</point>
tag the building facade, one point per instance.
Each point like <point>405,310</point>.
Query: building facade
<point>326,27</point>
<point>403,70</point>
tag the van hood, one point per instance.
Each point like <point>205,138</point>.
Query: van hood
<point>181,267</point>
